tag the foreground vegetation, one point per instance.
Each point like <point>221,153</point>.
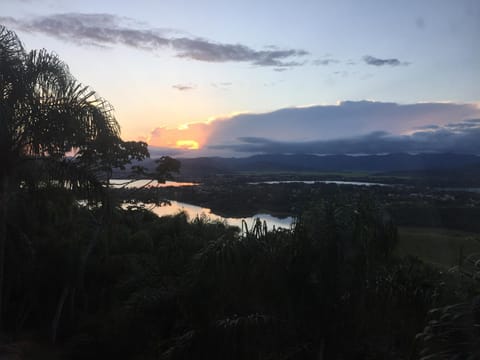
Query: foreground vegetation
<point>168,288</point>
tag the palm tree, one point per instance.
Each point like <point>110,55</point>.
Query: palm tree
<point>45,114</point>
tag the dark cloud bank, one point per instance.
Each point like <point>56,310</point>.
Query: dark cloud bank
<point>445,140</point>
<point>350,127</point>
<point>361,127</point>
<point>106,30</point>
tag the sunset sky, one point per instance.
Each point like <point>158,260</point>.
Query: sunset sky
<point>243,77</point>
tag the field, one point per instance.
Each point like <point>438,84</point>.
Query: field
<point>438,246</point>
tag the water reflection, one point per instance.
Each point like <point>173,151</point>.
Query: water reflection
<point>311,182</point>
<point>197,211</point>
<point>133,184</point>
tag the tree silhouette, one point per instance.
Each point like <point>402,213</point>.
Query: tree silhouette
<point>45,114</point>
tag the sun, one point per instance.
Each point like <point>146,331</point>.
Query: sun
<point>187,144</point>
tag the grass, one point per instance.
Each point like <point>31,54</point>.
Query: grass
<point>438,246</point>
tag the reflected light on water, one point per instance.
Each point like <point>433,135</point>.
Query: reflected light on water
<point>132,184</point>
<point>193,212</point>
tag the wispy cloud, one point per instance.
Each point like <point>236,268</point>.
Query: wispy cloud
<point>225,83</point>
<point>110,30</point>
<point>222,85</point>
<point>372,60</point>
<point>325,62</point>
<point>184,87</point>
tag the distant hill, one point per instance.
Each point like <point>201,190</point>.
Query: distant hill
<point>392,163</point>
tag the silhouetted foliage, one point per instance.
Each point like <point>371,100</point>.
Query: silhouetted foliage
<point>453,331</point>
<point>44,114</point>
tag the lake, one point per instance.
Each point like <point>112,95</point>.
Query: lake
<point>132,184</point>
<point>311,182</point>
<point>197,211</point>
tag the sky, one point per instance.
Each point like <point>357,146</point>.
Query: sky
<point>234,78</point>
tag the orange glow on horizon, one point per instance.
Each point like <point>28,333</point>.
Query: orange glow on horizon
<point>187,136</point>
<point>187,144</point>
<point>191,137</point>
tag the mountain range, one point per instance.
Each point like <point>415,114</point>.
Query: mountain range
<point>402,162</point>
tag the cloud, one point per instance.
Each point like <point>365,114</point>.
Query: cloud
<point>464,125</point>
<point>330,128</point>
<point>106,30</point>
<point>371,60</point>
<point>171,138</point>
<point>184,87</point>
<point>427,127</point>
<point>325,62</point>
<point>204,50</point>
<point>441,140</point>
<point>222,85</point>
